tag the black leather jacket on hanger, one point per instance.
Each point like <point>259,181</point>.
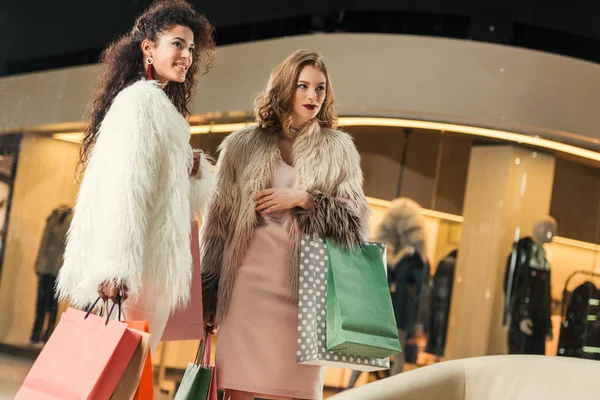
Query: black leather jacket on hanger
<point>408,277</point>
<point>580,331</point>
<point>530,297</point>
<point>441,297</point>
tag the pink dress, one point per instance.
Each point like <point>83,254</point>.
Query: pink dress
<point>258,337</point>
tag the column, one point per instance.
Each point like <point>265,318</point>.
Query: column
<point>508,189</point>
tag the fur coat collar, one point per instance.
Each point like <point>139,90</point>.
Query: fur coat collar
<point>327,166</point>
<point>403,231</point>
<point>132,216</point>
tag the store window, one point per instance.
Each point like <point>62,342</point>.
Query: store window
<point>526,280</point>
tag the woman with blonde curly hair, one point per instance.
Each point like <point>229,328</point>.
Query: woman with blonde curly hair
<point>290,174</point>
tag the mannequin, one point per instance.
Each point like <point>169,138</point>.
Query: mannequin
<point>403,231</point>
<point>48,263</point>
<point>527,289</point>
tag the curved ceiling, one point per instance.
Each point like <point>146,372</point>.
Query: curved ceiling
<point>45,35</point>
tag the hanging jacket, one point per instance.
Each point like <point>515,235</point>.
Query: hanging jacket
<point>530,296</point>
<point>406,280</point>
<point>441,298</point>
<point>52,246</point>
<point>578,332</point>
<point>403,230</point>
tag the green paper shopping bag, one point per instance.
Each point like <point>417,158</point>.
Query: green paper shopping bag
<point>200,379</point>
<point>360,317</point>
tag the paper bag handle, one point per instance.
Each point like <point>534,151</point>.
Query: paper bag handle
<point>204,349</point>
<point>120,309</point>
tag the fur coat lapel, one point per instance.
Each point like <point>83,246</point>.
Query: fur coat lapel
<point>327,166</point>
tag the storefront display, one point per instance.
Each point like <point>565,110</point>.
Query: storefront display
<point>48,263</point>
<point>441,297</point>
<point>9,156</point>
<point>403,230</point>
<point>527,292</point>
<point>580,327</point>
<point>415,234</point>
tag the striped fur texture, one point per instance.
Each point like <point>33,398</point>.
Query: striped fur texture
<point>327,166</point>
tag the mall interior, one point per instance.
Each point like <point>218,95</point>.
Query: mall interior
<point>492,149</point>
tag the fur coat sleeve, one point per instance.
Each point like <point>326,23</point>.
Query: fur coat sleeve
<point>215,230</point>
<point>340,210</point>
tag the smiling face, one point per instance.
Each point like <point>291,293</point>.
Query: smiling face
<point>172,54</point>
<point>311,89</point>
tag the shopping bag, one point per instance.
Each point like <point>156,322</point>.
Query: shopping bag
<point>187,323</point>
<point>360,316</point>
<point>137,382</point>
<point>200,379</point>
<point>145,389</point>
<point>312,312</point>
<point>84,358</point>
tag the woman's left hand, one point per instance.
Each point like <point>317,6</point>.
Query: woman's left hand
<point>196,164</point>
<point>278,199</point>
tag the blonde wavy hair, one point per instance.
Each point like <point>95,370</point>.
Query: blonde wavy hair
<point>273,108</point>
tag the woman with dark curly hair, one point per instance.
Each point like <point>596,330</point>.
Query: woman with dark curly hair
<point>292,174</point>
<point>143,183</point>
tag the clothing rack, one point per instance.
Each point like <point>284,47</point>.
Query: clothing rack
<point>566,293</point>
<point>572,346</point>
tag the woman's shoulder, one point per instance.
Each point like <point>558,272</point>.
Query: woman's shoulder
<point>144,107</point>
<point>142,93</point>
<point>242,137</point>
<point>339,134</point>
<point>340,138</point>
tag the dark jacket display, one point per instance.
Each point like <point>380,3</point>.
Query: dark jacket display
<point>52,247</point>
<point>47,265</point>
<point>529,297</point>
<point>402,228</point>
<point>441,297</point>
<point>580,330</point>
<point>406,280</point>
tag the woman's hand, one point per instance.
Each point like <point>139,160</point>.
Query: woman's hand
<point>209,323</point>
<point>270,200</point>
<point>110,290</point>
<point>196,165</point>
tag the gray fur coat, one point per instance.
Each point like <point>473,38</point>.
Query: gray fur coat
<point>327,166</point>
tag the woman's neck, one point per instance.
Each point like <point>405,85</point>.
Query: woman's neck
<point>295,128</point>
<point>290,134</point>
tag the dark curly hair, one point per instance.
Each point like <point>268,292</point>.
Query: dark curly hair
<point>273,108</point>
<point>123,63</point>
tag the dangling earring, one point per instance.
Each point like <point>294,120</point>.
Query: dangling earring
<point>149,70</point>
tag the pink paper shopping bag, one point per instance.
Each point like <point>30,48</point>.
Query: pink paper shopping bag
<point>83,360</point>
<point>187,324</point>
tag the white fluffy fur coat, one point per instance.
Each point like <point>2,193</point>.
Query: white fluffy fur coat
<point>133,211</point>
<point>327,166</point>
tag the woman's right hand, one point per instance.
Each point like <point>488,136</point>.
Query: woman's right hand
<point>109,290</point>
<point>209,323</point>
